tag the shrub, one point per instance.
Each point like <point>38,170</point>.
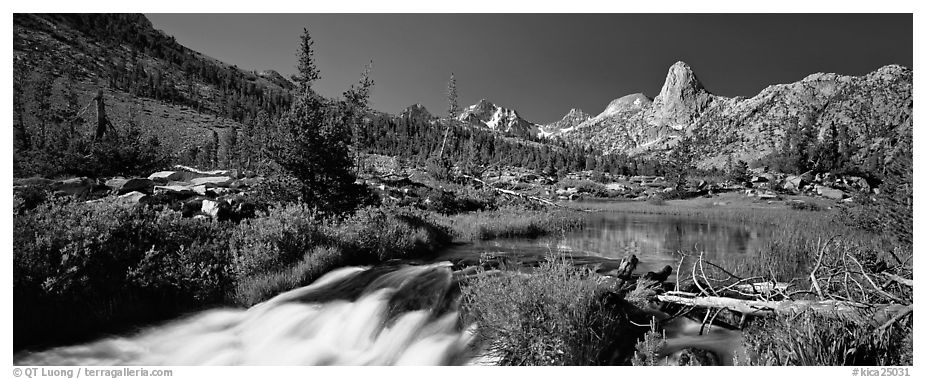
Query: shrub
<point>376,234</point>
<point>557,315</point>
<point>314,264</point>
<point>79,267</point>
<point>648,350</point>
<point>812,339</point>
<point>277,239</point>
<point>805,206</point>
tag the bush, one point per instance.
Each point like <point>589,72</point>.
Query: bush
<point>80,267</point>
<point>811,339</point>
<point>375,234</point>
<point>277,239</point>
<point>557,315</point>
<point>261,287</point>
<point>805,206</point>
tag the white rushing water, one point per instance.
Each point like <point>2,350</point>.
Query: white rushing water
<point>288,330</point>
<point>391,315</point>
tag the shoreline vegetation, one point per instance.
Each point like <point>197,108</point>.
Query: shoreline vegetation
<point>806,259</point>
<point>84,268</point>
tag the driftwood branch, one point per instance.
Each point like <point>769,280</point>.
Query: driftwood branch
<point>899,279</point>
<point>847,309</point>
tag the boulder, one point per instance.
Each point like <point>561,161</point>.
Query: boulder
<point>33,182</point>
<point>860,183</point>
<point>175,189</point>
<point>830,193</point>
<point>768,196</point>
<point>166,176</point>
<point>131,198</point>
<point>218,210</point>
<point>794,182</point>
<point>123,186</point>
<point>212,181</point>
<point>202,190</point>
<point>75,186</point>
<point>201,172</point>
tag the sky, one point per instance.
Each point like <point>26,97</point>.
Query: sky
<point>542,65</point>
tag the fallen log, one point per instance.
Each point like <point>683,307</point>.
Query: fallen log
<point>762,288</point>
<point>856,311</point>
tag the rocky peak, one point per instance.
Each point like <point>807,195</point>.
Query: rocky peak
<point>682,97</point>
<point>488,115</point>
<point>416,111</point>
<point>574,117</point>
<point>633,102</point>
<point>274,77</point>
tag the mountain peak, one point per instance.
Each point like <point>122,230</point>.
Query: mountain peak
<point>682,96</point>
<point>491,116</point>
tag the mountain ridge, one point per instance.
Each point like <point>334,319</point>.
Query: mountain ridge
<point>750,128</point>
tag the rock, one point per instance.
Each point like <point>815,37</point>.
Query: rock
<point>794,182</point>
<point>659,276</point>
<point>667,190</point>
<point>131,198</point>
<point>218,210</point>
<point>192,207</point>
<point>682,97</point>
<point>860,183</point>
<point>122,185</point>
<point>75,186</point>
<point>201,172</point>
<point>830,193</point>
<point>758,179</point>
<point>202,190</point>
<point>701,184</point>
<point>33,182</point>
<point>217,181</point>
<point>166,176</point>
<point>768,196</point>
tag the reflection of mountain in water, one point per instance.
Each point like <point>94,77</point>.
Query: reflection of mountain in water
<point>655,239</point>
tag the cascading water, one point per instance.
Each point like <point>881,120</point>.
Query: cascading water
<point>397,314</point>
<point>352,316</point>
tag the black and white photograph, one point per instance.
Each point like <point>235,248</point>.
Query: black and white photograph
<point>506,188</point>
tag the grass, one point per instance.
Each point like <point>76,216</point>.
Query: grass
<point>558,315</point>
<point>816,340</point>
<point>512,222</point>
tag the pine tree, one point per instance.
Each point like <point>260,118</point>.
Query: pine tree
<point>311,148</point>
<point>453,108</point>
<point>307,71</point>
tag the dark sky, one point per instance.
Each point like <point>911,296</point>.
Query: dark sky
<point>544,64</point>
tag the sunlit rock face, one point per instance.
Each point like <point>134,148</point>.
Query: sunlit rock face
<point>487,115</point>
<point>870,111</point>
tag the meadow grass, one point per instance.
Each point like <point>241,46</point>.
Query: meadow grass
<point>557,315</point>
<point>508,222</point>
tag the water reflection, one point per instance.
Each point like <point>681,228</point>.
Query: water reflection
<point>655,239</point>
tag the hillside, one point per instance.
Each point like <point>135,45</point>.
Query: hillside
<point>148,80</point>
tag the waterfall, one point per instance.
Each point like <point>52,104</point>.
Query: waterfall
<point>393,315</point>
